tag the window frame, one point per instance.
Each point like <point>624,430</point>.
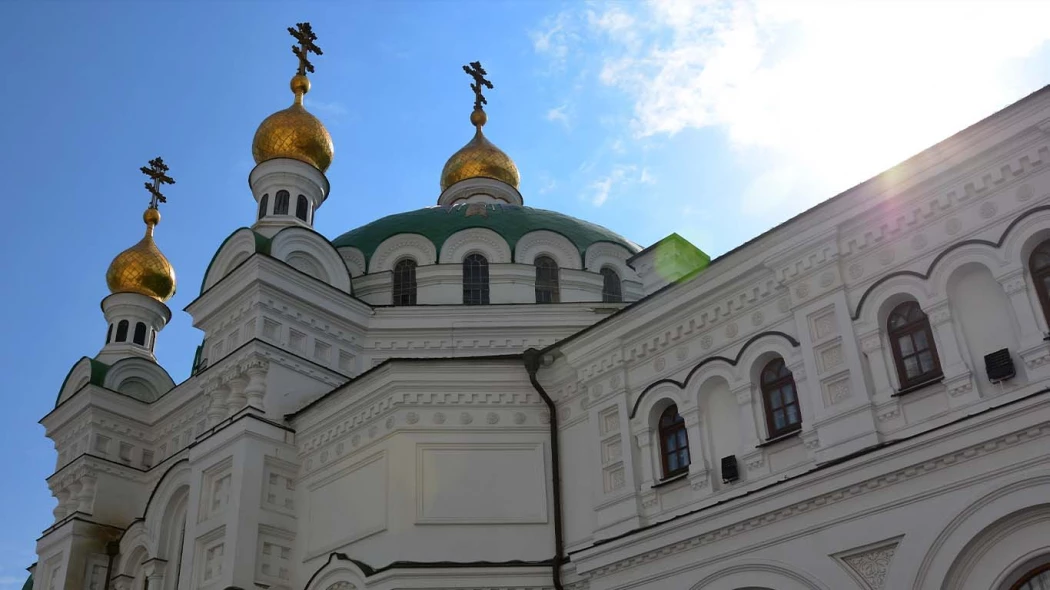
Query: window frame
<point>402,294</point>
<point>140,334</point>
<point>122,331</point>
<point>673,429</point>
<point>777,385</point>
<point>607,295</point>
<point>1038,274</point>
<point>910,328</point>
<point>302,205</point>
<point>547,287</point>
<point>479,284</point>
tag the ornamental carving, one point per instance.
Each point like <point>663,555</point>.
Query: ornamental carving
<point>706,341</point>
<point>439,418</point>
<point>988,210</point>
<point>660,364</point>
<point>869,567</point>
<point>827,279</point>
<point>1025,192</point>
<point>952,226</point>
<point>732,330</point>
<point>756,319</point>
<point>492,418</point>
<point>519,418</point>
<point>342,586</point>
<point>886,256</point>
<point>856,270</point>
<point>918,242</point>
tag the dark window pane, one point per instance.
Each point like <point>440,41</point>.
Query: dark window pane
<point>778,419</point>
<point>789,394</point>
<point>404,289</point>
<point>682,443</point>
<point>475,280</point>
<point>280,207</point>
<point>122,331</point>
<point>906,344</point>
<point>262,205</point>
<point>683,457</point>
<point>926,362</point>
<point>140,334</point>
<point>672,462</point>
<point>774,399</point>
<point>301,207</point>
<point>792,412</point>
<point>911,367</point>
<point>920,340</point>
<point>612,290</point>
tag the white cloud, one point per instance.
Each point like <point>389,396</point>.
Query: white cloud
<point>558,115</point>
<point>554,37</point>
<point>603,187</point>
<point>812,96</point>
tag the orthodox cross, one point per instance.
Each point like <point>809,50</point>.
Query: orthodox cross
<point>157,171</point>
<point>304,34</point>
<point>478,73</point>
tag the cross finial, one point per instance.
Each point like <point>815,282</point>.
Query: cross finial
<point>478,73</point>
<point>304,34</point>
<point>157,171</point>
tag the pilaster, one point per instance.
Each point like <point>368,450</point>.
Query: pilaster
<point>958,378</point>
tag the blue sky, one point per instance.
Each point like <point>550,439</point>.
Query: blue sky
<point>714,120</point>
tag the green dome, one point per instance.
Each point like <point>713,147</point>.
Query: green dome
<point>510,221</point>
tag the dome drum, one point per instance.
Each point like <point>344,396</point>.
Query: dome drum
<point>125,313</point>
<point>277,185</point>
<point>480,190</point>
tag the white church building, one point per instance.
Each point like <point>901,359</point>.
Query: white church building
<point>479,394</point>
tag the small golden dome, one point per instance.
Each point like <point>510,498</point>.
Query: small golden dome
<point>294,133</point>
<point>142,268</point>
<point>479,159</point>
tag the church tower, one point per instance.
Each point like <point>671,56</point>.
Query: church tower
<point>292,151</point>
<point>140,280</point>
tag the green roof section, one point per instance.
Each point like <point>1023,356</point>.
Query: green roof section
<point>510,221</point>
<point>262,246</point>
<point>29,583</point>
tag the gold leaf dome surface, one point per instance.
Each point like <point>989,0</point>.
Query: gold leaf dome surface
<point>480,158</point>
<point>142,268</point>
<point>294,133</point>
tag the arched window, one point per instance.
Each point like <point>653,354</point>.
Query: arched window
<point>546,280</point>
<point>475,280</point>
<point>780,397</point>
<point>263,202</point>
<point>1037,579</point>
<point>302,206</point>
<point>280,207</point>
<point>911,342</point>
<point>674,442</point>
<point>612,290</point>
<point>1039,266</point>
<point>122,331</point>
<point>109,334</point>
<point>140,334</point>
<point>405,282</point>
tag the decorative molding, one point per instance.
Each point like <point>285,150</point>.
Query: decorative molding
<point>822,501</point>
<point>868,565</point>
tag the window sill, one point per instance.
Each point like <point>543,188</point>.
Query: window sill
<point>780,437</point>
<point>670,480</point>
<point>918,386</point>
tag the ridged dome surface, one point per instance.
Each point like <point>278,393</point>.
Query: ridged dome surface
<point>479,159</point>
<point>293,133</point>
<point>142,269</point>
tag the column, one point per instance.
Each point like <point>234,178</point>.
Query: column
<point>871,345</point>
<point>154,569</point>
<point>60,510</point>
<point>699,473</point>
<point>644,440</point>
<point>235,382</point>
<point>255,391</point>
<point>749,457</point>
<point>216,402</point>
<point>85,499</point>
<point>1034,351</point>
<point>957,376</point>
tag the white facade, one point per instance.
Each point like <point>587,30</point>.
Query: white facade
<point>329,441</point>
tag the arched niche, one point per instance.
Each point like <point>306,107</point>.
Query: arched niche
<point>478,240</point>
<point>139,378</point>
<point>391,250</point>
<point>337,573</point>
<point>354,260</point>
<point>759,574</point>
<point>547,243</point>
<point>986,542</point>
<point>601,254</point>
<point>234,250</point>
<point>298,245</point>
<point>964,256</point>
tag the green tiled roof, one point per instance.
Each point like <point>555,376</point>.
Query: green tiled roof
<point>510,221</point>
<point>29,583</point>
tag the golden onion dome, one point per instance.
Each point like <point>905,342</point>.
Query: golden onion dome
<point>142,268</point>
<point>294,133</point>
<point>480,158</point>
